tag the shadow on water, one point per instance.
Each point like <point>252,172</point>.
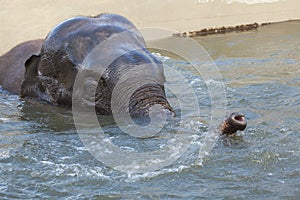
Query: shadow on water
<point>45,116</point>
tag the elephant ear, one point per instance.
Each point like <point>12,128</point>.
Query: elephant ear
<point>31,85</point>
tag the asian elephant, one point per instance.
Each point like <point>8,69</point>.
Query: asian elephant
<point>108,52</point>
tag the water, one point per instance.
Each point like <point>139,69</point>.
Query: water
<point>42,156</point>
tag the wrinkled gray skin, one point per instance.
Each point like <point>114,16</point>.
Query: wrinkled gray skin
<point>12,64</point>
<point>50,75</point>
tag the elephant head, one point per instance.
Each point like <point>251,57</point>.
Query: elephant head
<point>109,57</point>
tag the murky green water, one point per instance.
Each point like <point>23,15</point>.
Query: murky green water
<point>41,155</point>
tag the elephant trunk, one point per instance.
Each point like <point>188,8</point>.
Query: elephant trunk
<point>235,122</point>
<point>138,98</point>
<point>136,81</point>
<point>146,97</point>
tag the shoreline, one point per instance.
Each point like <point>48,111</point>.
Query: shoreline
<point>226,30</point>
<point>220,30</point>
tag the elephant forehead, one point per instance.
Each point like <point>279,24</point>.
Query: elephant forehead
<point>86,41</point>
<point>106,40</point>
<point>77,23</point>
<point>133,66</point>
<point>115,20</point>
<point>94,27</point>
<point>123,45</point>
<point>137,65</point>
<point>120,59</point>
<point>68,26</point>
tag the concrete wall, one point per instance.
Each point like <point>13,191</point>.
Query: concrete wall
<point>23,20</point>
<point>189,15</point>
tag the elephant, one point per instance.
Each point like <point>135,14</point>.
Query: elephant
<point>50,76</point>
<point>12,64</point>
<point>103,53</point>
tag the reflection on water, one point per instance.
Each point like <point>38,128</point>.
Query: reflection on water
<point>41,156</point>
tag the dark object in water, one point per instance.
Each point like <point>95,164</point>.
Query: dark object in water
<point>235,122</point>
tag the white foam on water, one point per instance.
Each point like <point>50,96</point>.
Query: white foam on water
<point>160,57</point>
<point>4,119</point>
<point>4,153</point>
<point>148,175</point>
<point>73,170</point>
